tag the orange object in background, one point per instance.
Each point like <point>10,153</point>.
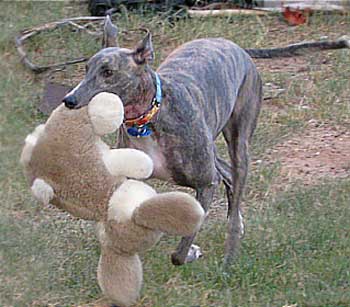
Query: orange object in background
<point>296,17</point>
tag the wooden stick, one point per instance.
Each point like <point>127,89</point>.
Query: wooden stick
<point>205,13</point>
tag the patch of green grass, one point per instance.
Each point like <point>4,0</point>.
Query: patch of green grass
<point>297,243</point>
<point>47,260</point>
<point>294,252</point>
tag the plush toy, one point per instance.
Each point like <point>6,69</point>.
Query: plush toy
<point>68,165</point>
<point>124,236</point>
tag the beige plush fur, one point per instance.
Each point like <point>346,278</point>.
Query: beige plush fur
<point>67,164</point>
<point>67,155</point>
<point>120,269</point>
<point>174,213</point>
<point>119,276</point>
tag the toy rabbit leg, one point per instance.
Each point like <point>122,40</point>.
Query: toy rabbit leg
<point>174,213</point>
<point>120,277</point>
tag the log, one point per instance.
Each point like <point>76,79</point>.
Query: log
<point>206,13</point>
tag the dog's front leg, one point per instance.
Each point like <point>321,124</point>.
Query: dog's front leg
<point>186,251</point>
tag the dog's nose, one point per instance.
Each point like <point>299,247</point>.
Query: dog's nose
<point>70,101</point>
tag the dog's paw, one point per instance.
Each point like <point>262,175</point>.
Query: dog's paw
<point>241,224</point>
<point>345,39</point>
<point>193,254</point>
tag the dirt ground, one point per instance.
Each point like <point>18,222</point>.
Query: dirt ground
<point>322,151</point>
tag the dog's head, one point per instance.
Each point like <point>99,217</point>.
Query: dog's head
<point>113,69</point>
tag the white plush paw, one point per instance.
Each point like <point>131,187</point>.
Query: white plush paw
<point>142,165</point>
<point>106,113</point>
<point>127,198</point>
<point>128,162</point>
<point>194,253</point>
<point>30,143</point>
<point>42,191</point>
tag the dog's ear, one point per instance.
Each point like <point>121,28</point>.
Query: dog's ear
<point>110,33</point>
<point>143,52</point>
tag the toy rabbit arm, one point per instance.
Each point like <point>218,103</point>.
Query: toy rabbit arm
<point>131,163</point>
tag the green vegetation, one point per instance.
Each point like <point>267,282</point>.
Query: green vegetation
<point>297,246</point>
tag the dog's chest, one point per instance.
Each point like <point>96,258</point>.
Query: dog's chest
<point>153,149</point>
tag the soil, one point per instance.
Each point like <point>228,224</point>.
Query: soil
<point>321,152</point>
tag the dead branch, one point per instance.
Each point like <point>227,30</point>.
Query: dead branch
<point>85,28</point>
<point>28,33</point>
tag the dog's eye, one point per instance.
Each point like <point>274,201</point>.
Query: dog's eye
<point>107,73</point>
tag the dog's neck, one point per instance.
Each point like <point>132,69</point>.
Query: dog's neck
<point>142,125</point>
<point>140,102</point>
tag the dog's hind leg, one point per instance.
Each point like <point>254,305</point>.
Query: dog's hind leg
<point>225,170</point>
<point>186,252</point>
<point>237,133</point>
<point>238,148</point>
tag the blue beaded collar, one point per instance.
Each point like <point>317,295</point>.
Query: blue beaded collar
<point>141,126</point>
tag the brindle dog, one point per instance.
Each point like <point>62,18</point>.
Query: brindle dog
<point>209,86</point>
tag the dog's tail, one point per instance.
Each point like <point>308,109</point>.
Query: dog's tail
<point>299,49</point>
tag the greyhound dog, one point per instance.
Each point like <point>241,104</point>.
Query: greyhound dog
<point>203,88</point>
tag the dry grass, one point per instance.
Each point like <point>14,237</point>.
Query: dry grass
<point>297,244</point>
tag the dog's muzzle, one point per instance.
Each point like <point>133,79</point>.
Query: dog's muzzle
<point>70,101</point>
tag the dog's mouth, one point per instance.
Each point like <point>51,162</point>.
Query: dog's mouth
<point>133,111</point>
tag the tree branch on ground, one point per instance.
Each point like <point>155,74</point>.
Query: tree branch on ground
<point>74,22</point>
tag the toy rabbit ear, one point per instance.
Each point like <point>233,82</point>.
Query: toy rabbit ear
<point>143,52</point>
<point>110,34</point>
